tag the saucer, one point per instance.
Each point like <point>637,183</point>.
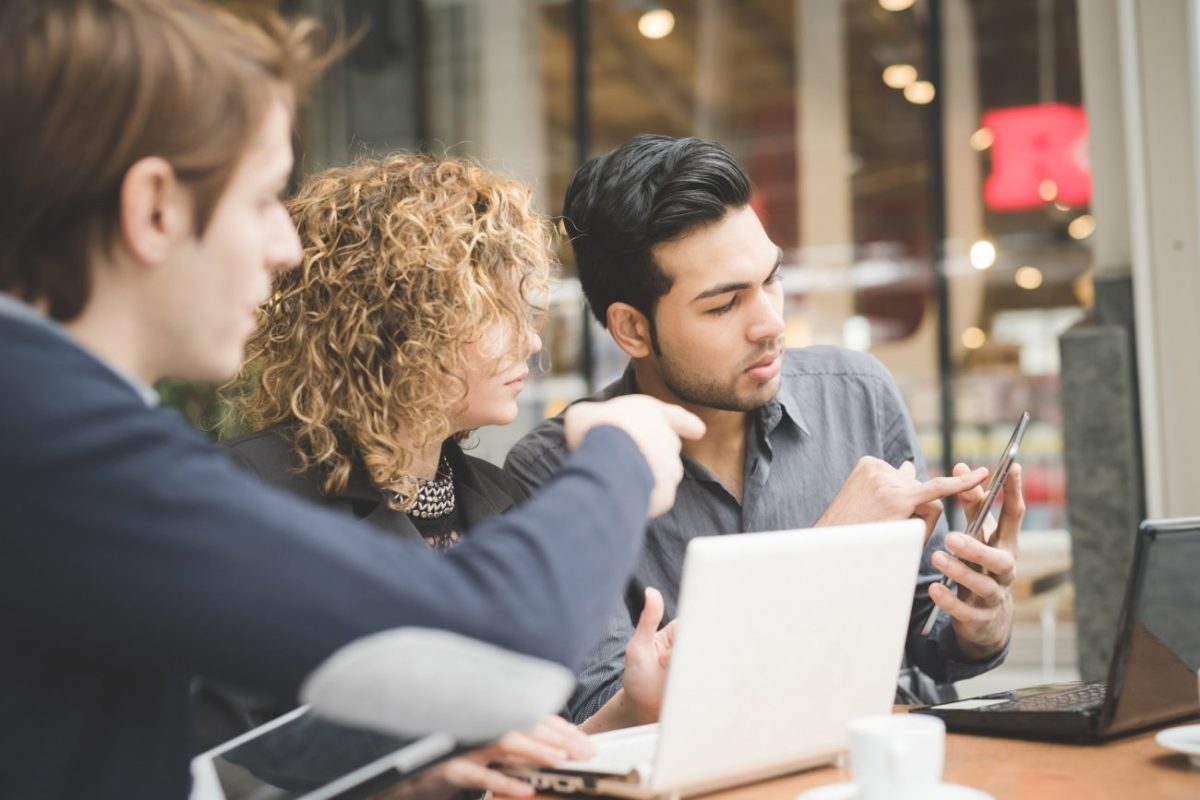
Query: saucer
<point>1183,739</point>
<point>944,791</point>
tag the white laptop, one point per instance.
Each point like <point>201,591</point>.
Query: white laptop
<point>782,639</point>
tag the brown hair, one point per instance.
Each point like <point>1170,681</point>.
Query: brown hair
<point>89,87</point>
<point>407,260</point>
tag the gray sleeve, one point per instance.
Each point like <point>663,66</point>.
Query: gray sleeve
<point>603,673</point>
<point>937,654</point>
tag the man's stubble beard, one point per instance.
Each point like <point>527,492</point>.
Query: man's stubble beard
<point>694,390</point>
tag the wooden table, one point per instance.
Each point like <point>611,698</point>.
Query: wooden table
<point>1131,768</point>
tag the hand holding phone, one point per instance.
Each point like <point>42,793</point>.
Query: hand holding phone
<point>975,527</point>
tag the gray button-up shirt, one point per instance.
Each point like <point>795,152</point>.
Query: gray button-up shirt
<point>834,406</point>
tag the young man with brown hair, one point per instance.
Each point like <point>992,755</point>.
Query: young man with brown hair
<point>145,147</point>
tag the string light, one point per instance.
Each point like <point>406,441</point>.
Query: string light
<point>1081,227</point>
<point>899,76</point>
<point>983,254</point>
<point>656,23</point>
<point>973,338</point>
<point>919,92</point>
<point>1029,277</point>
<point>982,139</point>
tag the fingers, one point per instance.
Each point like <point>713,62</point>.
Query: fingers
<point>945,599</point>
<point>971,498</point>
<point>931,512</point>
<point>467,774</point>
<point>1000,563</point>
<point>908,470</point>
<point>1012,513</point>
<point>686,424</point>
<point>666,641</point>
<point>651,618</point>
<point>983,588</point>
<point>557,732</point>
<point>937,488</point>
<point>517,746</point>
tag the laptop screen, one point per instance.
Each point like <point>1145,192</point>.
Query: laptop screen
<point>1153,673</point>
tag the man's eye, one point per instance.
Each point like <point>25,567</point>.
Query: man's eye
<point>719,310</point>
<point>775,278</point>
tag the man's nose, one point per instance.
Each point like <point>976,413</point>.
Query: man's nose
<point>767,318</point>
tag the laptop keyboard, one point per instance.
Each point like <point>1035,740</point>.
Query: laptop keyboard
<point>1087,696</point>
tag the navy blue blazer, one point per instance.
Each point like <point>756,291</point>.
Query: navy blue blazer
<point>137,555</point>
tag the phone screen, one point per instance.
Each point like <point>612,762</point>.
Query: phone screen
<point>999,475</point>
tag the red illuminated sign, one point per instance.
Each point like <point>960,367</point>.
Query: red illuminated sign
<point>1039,155</point>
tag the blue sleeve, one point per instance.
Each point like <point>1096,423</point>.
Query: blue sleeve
<point>132,540</point>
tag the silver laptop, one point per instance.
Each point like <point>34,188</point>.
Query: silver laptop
<point>782,639</point>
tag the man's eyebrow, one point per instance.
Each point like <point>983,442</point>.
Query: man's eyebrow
<point>726,288</point>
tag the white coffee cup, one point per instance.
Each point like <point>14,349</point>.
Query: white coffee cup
<point>897,756</point>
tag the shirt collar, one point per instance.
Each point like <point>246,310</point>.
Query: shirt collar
<point>791,408</point>
<point>16,309</point>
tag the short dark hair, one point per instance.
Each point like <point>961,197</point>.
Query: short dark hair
<point>651,189</point>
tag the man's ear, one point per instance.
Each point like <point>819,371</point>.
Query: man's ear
<point>155,210</point>
<point>630,329</point>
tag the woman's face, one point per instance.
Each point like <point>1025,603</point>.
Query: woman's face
<point>495,370</point>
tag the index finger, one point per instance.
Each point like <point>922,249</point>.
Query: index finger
<point>937,488</point>
<point>684,422</point>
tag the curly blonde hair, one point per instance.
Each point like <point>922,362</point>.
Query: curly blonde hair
<point>407,260</point>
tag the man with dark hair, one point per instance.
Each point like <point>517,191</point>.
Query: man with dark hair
<point>145,148</point>
<point>675,263</point>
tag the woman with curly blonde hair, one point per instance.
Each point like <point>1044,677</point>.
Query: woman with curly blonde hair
<point>407,325</point>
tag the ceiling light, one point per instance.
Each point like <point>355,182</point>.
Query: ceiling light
<point>656,23</point>
<point>983,254</point>
<point>896,5</point>
<point>1082,227</point>
<point>898,76</point>
<point>982,139</point>
<point>973,338</point>
<point>1028,277</point>
<point>919,92</point>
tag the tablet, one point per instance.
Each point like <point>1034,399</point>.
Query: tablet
<point>300,756</point>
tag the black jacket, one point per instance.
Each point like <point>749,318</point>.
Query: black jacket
<point>482,490</point>
<point>137,555</point>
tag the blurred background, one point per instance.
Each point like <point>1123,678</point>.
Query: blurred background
<point>947,195</point>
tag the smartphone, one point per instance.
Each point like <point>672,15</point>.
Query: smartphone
<point>975,527</point>
<point>996,481</point>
